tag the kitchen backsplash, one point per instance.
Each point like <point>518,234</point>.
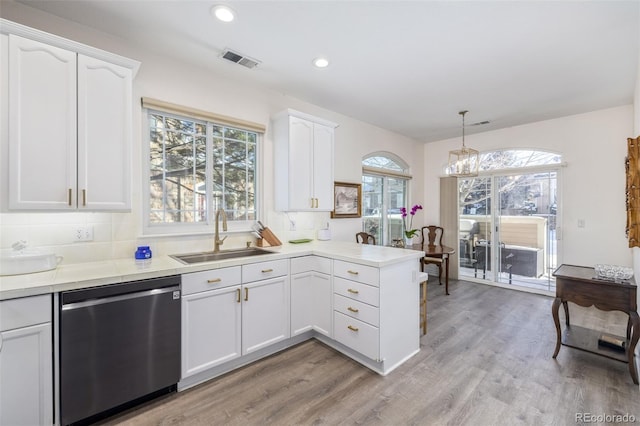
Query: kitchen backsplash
<point>116,235</point>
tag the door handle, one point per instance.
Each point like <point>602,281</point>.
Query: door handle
<point>239,295</point>
<point>246,294</point>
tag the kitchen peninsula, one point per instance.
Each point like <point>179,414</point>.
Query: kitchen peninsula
<point>362,300</point>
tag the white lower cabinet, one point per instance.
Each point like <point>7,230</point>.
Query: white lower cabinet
<point>265,313</point>
<point>236,315</point>
<point>26,388</point>
<point>311,295</point>
<point>211,319</point>
<point>356,308</point>
<point>376,312</point>
<point>224,318</point>
<point>265,304</point>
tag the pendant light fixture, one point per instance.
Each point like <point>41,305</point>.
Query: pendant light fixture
<point>463,162</point>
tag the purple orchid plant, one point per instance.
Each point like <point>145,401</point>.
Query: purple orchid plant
<point>408,231</point>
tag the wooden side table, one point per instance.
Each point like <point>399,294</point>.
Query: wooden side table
<point>577,284</point>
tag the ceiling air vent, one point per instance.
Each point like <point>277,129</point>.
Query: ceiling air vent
<point>239,59</point>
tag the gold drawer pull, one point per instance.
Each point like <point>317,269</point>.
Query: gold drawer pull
<point>246,294</point>
<point>264,271</point>
<point>84,197</point>
<point>352,328</point>
<point>239,295</point>
<point>214,280</point>
<point>353,309</point>
<point>69,195</point>
<point>350,290</point>
<point>352,272</point>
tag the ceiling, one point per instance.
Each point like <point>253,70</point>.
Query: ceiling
<point>407,66</point>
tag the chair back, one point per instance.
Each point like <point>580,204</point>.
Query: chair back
<point>364,238</point>
<point>432,235</point>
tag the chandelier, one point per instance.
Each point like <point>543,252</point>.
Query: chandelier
<point>463,162</point>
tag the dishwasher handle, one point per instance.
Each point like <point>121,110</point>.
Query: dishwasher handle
<point>111,299</point>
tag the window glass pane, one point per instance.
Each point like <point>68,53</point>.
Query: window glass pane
<point>178,161</point>
<point>383,197</point>
<point>516,158</point>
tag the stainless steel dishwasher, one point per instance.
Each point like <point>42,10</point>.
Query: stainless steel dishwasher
<point>119,344</point>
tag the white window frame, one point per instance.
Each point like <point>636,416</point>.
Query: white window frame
<point>208,226</point>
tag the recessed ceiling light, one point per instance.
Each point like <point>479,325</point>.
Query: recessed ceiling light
<point>223,13</point>
<point>321,62</point>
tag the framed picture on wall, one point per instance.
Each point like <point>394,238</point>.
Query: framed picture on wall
<point>347,200</point>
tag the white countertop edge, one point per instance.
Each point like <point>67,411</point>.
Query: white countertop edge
<point>93,274</point>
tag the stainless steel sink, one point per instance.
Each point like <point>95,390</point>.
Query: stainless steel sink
<point>209,256</point>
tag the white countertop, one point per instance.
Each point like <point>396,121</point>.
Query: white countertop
<point>91,274</point>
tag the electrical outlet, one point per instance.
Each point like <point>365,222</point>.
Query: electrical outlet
<point>83,233</point>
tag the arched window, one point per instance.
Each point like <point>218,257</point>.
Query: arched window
<point>385,189</point>
<point>517,158</point>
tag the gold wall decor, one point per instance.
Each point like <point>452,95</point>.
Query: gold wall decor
<point>632,165</point>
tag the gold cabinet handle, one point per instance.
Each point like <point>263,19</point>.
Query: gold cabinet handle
<point>350,290</point>
<point>239,295</point>
<point>316,203</point>
<point>214,280</point>
<point>264,271</point>
<point>352,272</point>
<point>352,328</point>
<point>312,202</point>
<point>246,294</point>
<point>353,309</point>
<point>69,195</point>
<point>84,198</point>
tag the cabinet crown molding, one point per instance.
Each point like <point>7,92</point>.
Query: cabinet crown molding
<point>10,27</point>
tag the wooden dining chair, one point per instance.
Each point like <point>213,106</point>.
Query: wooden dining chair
<point>364,238</point>
<point>432,235</point>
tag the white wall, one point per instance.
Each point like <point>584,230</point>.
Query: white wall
<point>117,234</point>
<point>593,183</point>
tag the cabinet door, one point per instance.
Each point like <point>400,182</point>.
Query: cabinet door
<point>104,135</point>
<point>26,371</point>
<point>302,311</point>
<point>323,166</point>
<point>265,313</point>
<point>300,164</point>
<point>211,323</point>
<point>322,304</point>
<point>311,303</point>
<point>42,125</point>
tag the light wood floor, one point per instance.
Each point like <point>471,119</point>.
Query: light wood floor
<point>486,360</point>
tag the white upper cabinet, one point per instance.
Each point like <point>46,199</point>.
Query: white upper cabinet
<point>104,135</point>
<point>303,157</point>
<point>42,124</point>
<point>70,124</point>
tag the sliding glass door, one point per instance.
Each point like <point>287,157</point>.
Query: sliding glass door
<point>508,228</point>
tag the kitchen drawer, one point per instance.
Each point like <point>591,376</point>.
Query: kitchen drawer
<point>357,291</point>
<point>25,311</point>
<point>356,272</point>
<point>353,308</point>
<point>358,335</point>
<point>211,280</point>
<point>310,263</point>
<point>263,270</point>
